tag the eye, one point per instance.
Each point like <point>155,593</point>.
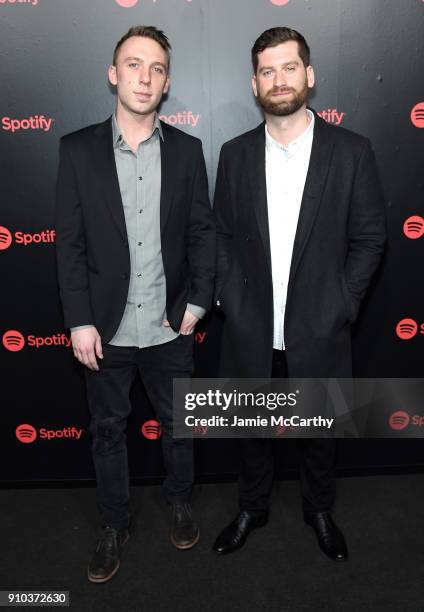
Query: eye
<point>291,68</point>
<point>158,69</point>
<point>133,65</point>
<point>267,72</point>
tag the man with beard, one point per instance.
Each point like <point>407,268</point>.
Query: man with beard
<point>301,230</point>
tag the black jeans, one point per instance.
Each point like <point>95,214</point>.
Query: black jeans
<point>108,398</point>
<point>317,481</point>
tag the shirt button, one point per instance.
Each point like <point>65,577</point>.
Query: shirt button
<point>139,274</point>
<point>140,243</point>
<point>140,211</point>
<point>140,178</point>
<point>138,305</point>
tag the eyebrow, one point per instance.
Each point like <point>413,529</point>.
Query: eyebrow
<point>139,59</point>
<point>296,62</point>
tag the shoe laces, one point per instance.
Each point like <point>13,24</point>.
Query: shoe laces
<point>183,511</point>
<point>108,539</point>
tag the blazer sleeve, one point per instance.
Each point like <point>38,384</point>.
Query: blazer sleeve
<point>201,238</point>
<point>71,246</point>
<point>366,226</point>
<point>224,226</point>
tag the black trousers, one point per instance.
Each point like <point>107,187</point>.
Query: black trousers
<point>317,480</point>
<point>108,398</point>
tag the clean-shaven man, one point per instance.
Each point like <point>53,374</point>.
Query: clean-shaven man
<point>136,259</point>
<point>301,229</point>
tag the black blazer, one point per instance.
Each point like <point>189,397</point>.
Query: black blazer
<point>92,245</point>
<point>339,242</point>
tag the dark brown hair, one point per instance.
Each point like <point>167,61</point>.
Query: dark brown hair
<point>276,36</point>
<point>147,32</point>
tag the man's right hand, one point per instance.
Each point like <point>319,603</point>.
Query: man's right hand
<point>86,344</point>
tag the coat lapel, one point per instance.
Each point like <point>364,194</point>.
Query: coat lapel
<point>105,161</point>
<point>319,165</point>
<point>169,162</point>
<point>256,166</point>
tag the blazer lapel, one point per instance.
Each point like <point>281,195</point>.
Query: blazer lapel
<point>169,162</point>
<point>256,166</point>
<point>319,165</point>
<point>105,160</point>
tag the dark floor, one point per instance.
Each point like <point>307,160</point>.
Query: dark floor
<point>48,535</point>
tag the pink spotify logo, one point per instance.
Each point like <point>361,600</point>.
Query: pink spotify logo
<point>131,3</point>
<point>399,420</point>
<point>280,2</point>
<point>126,3</point>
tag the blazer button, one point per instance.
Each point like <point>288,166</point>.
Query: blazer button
<point>125,276</point>
<point>245,281</point>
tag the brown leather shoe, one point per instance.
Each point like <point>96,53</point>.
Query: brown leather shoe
<point>184,531</point>
<point>105,561</point>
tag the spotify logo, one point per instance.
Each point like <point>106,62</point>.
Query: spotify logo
<point>126,3</point>
<point>399,420</point>
<point>413,227</point>
<point>26,433</point>
<point>417,115</point>
<point>152,430</point>
<point>131,3</point>
<point>406,329</point>
<point>13,341</point>
<point>5,238</point>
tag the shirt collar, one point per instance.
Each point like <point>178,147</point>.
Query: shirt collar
<point>118,137</point>
<point>294,146</point>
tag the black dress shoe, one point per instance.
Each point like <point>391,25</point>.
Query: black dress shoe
<point>184,531</point>
<point>235,534</point>
<point>106,557</point>
<point>330,538</point>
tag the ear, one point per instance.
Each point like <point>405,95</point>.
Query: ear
<point>166,87</point>
<point>310,76</point>
<point>112,75</point>
<point>254,85</point>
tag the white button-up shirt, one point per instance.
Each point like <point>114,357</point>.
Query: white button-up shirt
<point>286,169</point>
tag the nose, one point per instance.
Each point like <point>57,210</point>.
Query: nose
<point>144,75</point>
<point>280,78</point>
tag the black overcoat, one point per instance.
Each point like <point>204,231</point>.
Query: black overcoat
<point>338,245</point>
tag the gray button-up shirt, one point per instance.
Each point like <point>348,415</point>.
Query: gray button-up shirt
<point>139,176</point>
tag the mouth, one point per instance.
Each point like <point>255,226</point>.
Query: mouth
<point>142,96</point>
<point>284,92</point>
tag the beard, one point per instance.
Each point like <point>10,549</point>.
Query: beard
<point>283,108</point>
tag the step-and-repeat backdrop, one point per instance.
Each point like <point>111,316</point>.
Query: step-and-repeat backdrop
<point>368,58</point>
